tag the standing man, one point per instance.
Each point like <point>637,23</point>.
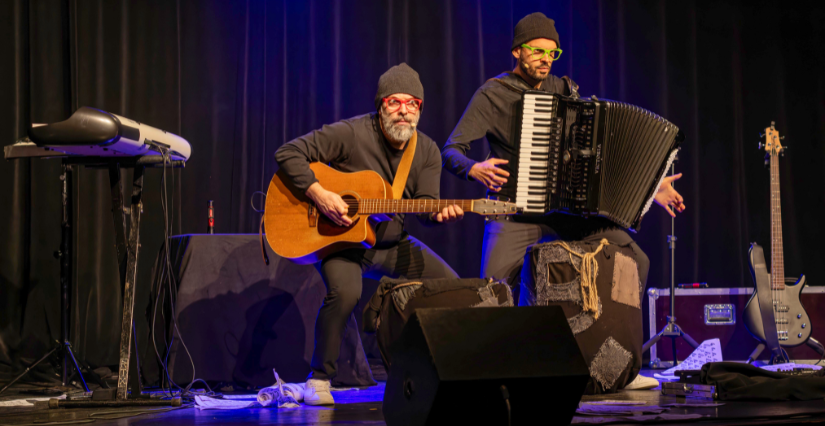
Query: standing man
<point>375,141</point>
<point>492,113</point>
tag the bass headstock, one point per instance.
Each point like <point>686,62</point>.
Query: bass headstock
<point>772,143</point>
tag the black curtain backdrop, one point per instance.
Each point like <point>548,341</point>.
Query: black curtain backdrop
<point>237,79</point>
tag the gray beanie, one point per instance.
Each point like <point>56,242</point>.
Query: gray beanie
<point>533,26</point>
<point>399,79</point>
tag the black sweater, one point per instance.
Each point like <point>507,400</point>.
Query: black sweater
<point>493,112</point>
<point>357,144</point>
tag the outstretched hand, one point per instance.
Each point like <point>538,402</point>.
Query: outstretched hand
<point>489,175</point>
<point>668,198</point>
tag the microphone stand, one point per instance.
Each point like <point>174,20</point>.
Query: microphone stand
<point>671,329</point>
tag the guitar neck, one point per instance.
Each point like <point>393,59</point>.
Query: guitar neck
<point>376,206</point>
<point>777,256</point>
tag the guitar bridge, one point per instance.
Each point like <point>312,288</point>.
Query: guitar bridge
<point>312,216</point>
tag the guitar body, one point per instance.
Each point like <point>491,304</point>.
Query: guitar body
<point>297,230</point>
<point>793,325</point>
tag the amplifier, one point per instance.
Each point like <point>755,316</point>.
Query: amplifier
<point>707,313</point>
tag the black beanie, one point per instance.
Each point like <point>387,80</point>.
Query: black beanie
<point>533,26</point>
<point>399,79</point>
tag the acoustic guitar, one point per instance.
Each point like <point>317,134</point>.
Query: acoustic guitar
<point>774,314</point>
<point>298,231</point>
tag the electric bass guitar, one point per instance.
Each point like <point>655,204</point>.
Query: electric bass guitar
<point>298,231</point>
<point>774,315</point>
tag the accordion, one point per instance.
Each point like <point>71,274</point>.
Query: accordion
<point>591,157</point>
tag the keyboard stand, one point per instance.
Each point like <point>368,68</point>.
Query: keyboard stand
<point>128,249</point>
<point>127,254</point>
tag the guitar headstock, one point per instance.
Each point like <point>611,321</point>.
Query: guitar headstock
<point>771,142</point>
<point>494,208</point>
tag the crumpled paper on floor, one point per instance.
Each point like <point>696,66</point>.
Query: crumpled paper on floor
<point>27,401</point>
<point>281,395</point>
<point>708,351</point>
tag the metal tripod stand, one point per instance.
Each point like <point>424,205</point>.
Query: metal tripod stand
<point>671,329</point>
<point>64,255</point>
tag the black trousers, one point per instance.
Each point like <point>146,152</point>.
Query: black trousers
<point>342,273</point>
<point>506,241</point>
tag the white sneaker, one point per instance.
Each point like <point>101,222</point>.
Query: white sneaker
<point>642,383</point>
<point>316,392</point>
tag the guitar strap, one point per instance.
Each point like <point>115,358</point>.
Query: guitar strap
<point>403,171</point>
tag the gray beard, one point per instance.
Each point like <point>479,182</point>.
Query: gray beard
<point>399,133</point>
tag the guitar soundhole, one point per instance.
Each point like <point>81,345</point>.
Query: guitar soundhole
<point>353,205</point>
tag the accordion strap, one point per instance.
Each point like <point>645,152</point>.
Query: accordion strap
<point>572,87</point>
<point>507,85</point>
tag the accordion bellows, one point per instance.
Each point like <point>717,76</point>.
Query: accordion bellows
<point>591,157</point>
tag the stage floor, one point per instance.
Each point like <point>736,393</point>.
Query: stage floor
<point>363,407</point>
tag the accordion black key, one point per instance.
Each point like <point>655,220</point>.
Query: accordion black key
<point>591,157</point>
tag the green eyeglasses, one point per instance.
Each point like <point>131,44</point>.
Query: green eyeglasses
<point>539,53</point>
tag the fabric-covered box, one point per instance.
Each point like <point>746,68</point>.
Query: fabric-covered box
<point>608,327</point>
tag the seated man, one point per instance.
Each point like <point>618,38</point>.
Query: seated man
<point>377,142</point>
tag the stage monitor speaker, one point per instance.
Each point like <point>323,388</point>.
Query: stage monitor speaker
<point>489,366</point>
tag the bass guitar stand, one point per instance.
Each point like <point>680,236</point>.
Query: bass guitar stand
<point>811,342</point>
<point>671,329</point>
<point>778,355</point>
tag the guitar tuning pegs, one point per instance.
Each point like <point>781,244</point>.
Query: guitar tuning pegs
<point>761,145</point>
<point>782,138</point>
<point>761,135</point>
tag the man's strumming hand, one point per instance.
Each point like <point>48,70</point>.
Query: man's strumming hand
<point>331,204</point>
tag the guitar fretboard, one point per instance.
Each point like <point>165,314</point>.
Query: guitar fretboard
<point>373,206</point>
<point>777,257</point>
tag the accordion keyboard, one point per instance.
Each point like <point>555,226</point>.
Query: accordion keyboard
<point>538,164</point>
<point>590,157</point>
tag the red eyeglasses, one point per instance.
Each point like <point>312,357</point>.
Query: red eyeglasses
<point>393,104</point>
